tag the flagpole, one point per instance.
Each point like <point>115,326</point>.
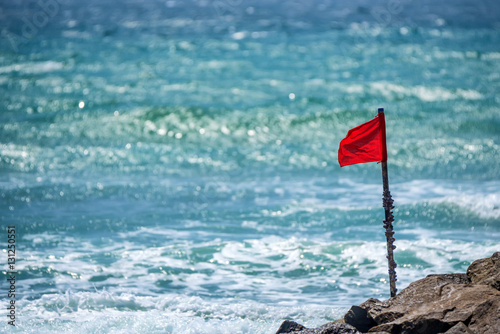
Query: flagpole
<point>389,218</point>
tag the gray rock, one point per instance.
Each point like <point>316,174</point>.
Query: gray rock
<point>335,328</point>
<point>485,271</point>
<point>358,318</point>
<point>288,326</point>
<point>486,318</point>
<point>459,328</point>
<point>329,328</point>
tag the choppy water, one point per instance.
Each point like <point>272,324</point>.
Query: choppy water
<point>171,166</point>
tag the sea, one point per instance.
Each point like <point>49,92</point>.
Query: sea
<point>171,166</point>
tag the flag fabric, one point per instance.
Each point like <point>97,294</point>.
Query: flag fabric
<point>364,143</point>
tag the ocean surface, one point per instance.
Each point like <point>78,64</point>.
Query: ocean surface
<point>171,166</point>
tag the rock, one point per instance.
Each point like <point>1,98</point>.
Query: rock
<point>450,304</point>
<point>485,271</point>
<point>437,303</point>
<point>459,328</point>
<point>288,326</point>
<point>329,328</point>
<point>486,319</point>
<point>358,318</point>
<point>335,328</point>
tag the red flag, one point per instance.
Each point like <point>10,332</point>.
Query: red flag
<point>364,143</point>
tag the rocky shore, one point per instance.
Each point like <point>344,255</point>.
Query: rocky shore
<point>450,303</point>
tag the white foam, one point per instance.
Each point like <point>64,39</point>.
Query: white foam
<point>437,255</point>
<point>101,311</point>
<point>222,286</point>
<point>244,302</point>
<point>486,206</point>
<point>393,91</point>
<point>424,93</point>
<point>480,198</point>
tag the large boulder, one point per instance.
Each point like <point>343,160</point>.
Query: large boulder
<point>449,303</point>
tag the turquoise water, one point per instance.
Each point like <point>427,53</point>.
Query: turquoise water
<point>171,167</point>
